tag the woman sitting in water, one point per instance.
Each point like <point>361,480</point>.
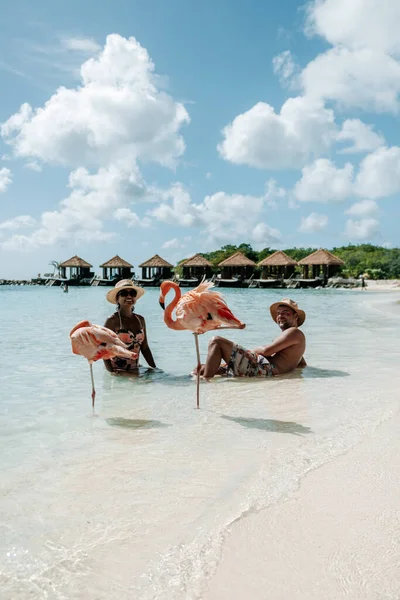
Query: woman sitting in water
<point>130,328</point>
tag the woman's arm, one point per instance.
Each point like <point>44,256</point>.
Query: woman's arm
<point>145,348</point>
<point>107,363</point>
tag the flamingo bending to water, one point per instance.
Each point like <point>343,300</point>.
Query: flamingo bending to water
<point>198,310</point>
<point>95,342</point>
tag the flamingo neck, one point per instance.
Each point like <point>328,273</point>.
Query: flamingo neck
<point>172,323</point>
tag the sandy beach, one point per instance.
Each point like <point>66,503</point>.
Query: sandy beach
<point>336,537</point>
<point>382,285</point>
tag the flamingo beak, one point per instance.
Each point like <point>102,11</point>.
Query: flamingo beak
<point>162,304</point>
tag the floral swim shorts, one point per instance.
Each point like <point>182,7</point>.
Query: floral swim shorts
<point>247,363</point>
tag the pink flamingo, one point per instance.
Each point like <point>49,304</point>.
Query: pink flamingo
<point>95,342</point>
<point>198,310</point>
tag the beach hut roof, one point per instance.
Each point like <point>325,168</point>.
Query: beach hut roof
<point>155,261</point>
<point>277,259</point>
<point>237,260</point>
<point>116,261</point>
<point>75,261</point>
<point>198,260</point>
<point>321,257</point>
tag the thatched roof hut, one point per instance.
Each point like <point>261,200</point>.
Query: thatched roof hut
<point>196,267</point>
<point>78,268</point>
<point>116,268</point>
<point>155,267</point>
<point>116,263</point>
<point>75,261</point>
<point>278,265</point>
<point>321,260</point>
<point>198,260</point>
<point>237,265</point>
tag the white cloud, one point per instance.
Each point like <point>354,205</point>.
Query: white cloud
<point>273,193</point>
<point>313,223</point>
<point>116,117</point>
<point>362,208</point>
<point>20,222</point>
<point>378,177</point>
<point>220,217</point>
<point>322,181</point>
<point>357,23</point>
<point>265,235</point>
<point>33,165</point>
<point>130,218</point>
<point>117,112</point>
<point>208,175</point>
<point>81,44</point>
<point>227,217</point>
<point>362,230</point>
<point>379,173</point>
<point>362,136</point>
<point>284,66</point>
<point>357,79</point>
<point>361,69</point>
<point>5,179</point>
<point>267,140</point>
<point>174,243</point>
<point>94,197</point>
<point>175,208</point>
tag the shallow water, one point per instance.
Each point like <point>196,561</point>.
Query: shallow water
<point>135,501</point>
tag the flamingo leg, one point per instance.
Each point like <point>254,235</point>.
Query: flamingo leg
<point>93,388</point>
<point>196,339</point>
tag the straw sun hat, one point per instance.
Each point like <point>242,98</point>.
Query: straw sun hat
<point>124,284</point>
<point>291,304</point>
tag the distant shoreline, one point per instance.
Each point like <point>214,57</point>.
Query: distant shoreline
<point>379,285</point>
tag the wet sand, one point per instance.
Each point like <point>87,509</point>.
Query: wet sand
<point>337,536</point>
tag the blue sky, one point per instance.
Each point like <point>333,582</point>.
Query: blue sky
<point>176,127</point>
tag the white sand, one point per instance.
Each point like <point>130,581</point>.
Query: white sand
<point>382,285</point>
<point>337,537</point>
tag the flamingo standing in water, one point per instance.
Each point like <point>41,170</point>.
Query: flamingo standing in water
<point>198,310</point>
<point>95,342</point>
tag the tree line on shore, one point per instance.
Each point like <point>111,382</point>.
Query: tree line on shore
<point>376,261</point>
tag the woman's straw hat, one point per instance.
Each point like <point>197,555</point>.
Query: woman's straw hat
<point>124,284</point>
<point>291,304</point>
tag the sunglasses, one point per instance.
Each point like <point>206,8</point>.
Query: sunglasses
<point>126,293</point>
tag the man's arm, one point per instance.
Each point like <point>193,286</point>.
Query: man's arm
<point>290,337</point>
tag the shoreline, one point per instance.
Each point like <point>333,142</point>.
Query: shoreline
<point>335,537</point>
<point>379,285</point>
<point>382,285</point>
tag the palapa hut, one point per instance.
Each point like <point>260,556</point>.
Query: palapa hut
<point>235,269</point>
<point>278,266</point>
<point>78,269</point>
<point>154,270</point>
<point>196,267</point>
<point>116,269</point>
<point>321,261</point>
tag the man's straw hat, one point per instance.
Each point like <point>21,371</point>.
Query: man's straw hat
<point>124,284</point>
<point>291,304</point>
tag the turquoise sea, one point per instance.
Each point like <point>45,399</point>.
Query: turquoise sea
<point>135,501</point>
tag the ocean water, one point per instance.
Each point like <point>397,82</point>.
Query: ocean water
<point>135,501</point>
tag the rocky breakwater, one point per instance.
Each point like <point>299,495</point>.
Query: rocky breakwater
<point>17,282</point>
<point>341,282</point>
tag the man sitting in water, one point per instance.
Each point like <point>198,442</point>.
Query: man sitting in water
<point>283,355</point>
